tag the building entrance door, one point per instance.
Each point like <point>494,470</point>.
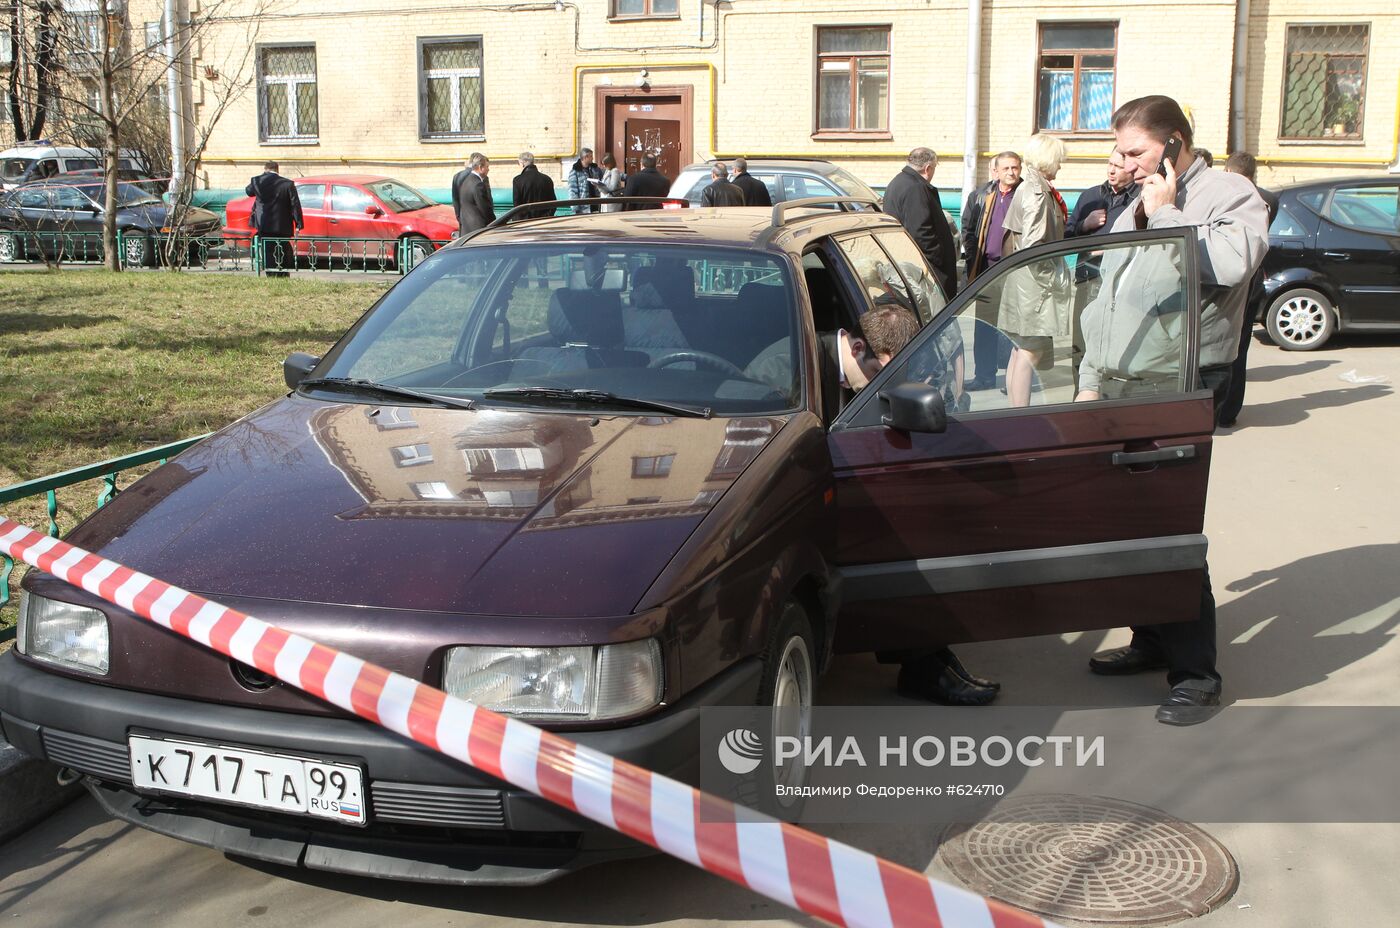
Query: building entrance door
<point>634,123</point>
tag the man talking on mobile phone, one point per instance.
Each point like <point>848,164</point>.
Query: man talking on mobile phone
<point>1232,229</point>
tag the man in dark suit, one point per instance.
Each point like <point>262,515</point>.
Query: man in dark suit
<point>755,191</point>
<point>471,195</point>
<point>276,215</point>
<point>530,186</point>
<point>721,192</point>
<point>648,182</point>
<point>913,200</point>
<point>848,363</point>
<point>1098,207</point>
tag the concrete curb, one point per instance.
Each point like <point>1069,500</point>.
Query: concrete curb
<point>29,790</point>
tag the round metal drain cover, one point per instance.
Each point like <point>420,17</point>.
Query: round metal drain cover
<point>1092,860</point>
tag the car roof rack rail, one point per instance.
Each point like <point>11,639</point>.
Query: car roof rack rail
<point>528,211</point>
<point>846,203</point>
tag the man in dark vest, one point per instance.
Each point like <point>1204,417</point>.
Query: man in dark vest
<point>648,182</point>
<point>721,192</point>
<point>913,200</point>
<point>276,217</point>
<point>755,191</point>
<point>530,186</point>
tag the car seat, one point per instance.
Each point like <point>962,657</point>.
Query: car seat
<point>587,328</point>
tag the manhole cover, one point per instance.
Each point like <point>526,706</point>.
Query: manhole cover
<point>1092,860</point>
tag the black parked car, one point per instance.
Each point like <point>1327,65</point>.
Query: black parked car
<point>61,218</point>
<point>1333,262</point>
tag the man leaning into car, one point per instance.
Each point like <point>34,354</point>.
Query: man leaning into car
<point>1231,227</point>
<point>849,362</point>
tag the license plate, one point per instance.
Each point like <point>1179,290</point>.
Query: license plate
<point>279,782</point>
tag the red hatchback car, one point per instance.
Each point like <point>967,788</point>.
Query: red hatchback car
<point>579,470</point>
<point>380,214</point>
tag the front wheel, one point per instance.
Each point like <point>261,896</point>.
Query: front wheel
<point>1301,320</point>
<point>787,686</point>
<point>415,249</point>
<point>8,249</point>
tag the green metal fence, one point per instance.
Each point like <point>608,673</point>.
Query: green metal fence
<point>106,471</point>
<point>221,252</point>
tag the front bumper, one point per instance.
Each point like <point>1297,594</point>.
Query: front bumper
<point>432,819</point>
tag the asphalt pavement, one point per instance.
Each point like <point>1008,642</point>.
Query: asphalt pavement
<point>1304,523</point>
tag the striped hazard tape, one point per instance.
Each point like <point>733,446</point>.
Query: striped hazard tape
<point>788,864</point>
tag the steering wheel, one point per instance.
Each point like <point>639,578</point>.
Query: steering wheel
<point>700,359</point>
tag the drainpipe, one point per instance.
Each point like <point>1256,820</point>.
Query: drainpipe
<point>175,97</point>
<point>974,87</point>
<point>1238,78</point>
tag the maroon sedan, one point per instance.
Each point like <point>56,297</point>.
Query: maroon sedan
<point>379,214</point>
<point>579,470</point>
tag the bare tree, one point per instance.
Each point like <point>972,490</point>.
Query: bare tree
<point>86,63</point>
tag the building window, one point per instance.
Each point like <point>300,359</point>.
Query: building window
<point>853,80</point>
<point>86,31</point>
<point>1324,81</point>
<point>653,466</point>
<point>7,46</point>
<point>433,489</point>
<point>287,95</point>
<point>413,455</point>
<point>1075,89</point>
<point>450,96</point>
<point>640,9</point>
<point>503,460</point>
<point>155,38</point>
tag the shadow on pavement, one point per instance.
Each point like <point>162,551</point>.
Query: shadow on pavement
<point>47,851</point>
<point>1295,410</point>
<point>1274,372</point>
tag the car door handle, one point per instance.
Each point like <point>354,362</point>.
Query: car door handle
<point>1337,255</point>
<point>1155,456</point>
<point>335,222</point>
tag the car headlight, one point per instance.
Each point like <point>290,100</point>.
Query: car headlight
<point>64,634</point>
<point>580,683</point>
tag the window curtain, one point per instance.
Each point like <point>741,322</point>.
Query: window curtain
<point>1057,100</point>
<point>1095,100</point>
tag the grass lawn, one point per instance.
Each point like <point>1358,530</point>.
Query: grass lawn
<point>94,365</point>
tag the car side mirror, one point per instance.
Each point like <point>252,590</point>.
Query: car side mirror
<point>374,211</point>
<point>913,407</point>
<point>297,366</point>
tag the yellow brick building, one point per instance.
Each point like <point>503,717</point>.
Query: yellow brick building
<point>411,88</point>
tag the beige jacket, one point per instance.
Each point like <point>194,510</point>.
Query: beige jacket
<point>1035,299</point>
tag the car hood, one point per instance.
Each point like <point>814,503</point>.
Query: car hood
<point>493,511</point>
<point>156,217</point>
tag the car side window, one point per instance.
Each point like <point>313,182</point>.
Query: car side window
<point>1091,322</point>
<point>775,188</point>
<point>349,199</point>
<point>312,196</point>
<point>881,282</point>
<point>1286,225</point>
<point>1366,208</point>
<point>70,198</point>
<point>34,199</point>
<point>923,286</point>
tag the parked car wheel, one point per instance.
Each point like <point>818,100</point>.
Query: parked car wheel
<point>416,247</point>
<point>8,248</point>
<point>788,684</point>
<point>1301,320</point>
<point>135,248</point>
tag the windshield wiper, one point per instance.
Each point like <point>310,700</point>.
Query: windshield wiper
<point>356,385</point>
<point>597,398</point>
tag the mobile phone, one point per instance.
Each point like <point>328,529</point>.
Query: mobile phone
<point>1169,153</point>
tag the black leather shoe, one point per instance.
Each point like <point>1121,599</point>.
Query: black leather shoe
<point>1191,702</point>
<point>935,681</point>
<point>1121,661</point>
<point>957,667</point>
<point>980,383</point>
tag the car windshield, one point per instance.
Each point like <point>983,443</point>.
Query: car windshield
<point>127,195</point>
<point>401,198</point>
<point>12,171</point>
<point>708,328</point>
<point>852,185</point>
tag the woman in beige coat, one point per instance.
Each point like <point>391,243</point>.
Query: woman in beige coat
<point>1035,300</point>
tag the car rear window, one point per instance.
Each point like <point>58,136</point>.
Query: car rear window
<point>709,327</point>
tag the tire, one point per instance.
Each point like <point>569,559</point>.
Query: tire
<point>1301,320</point>
<point>9,248</point>
<point>416,248</point>
<point>788,686</point>
<point>136,249</point>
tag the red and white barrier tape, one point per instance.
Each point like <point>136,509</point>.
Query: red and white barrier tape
<point>791,865</point>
